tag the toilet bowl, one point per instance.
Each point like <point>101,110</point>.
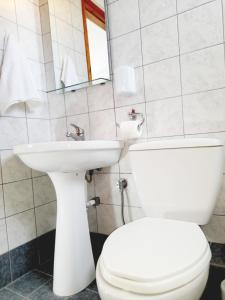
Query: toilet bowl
<point>165,256</point>
<point>154,259</point>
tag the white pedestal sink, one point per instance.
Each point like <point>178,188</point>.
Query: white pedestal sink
<point>66,164</point>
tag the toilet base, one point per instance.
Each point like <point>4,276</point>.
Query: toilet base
<point>193,290</point>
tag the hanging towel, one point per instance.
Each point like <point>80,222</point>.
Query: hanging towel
<point>17,83</point>
<point>69,75</point>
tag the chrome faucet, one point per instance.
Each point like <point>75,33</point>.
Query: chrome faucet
<point>78,135</point>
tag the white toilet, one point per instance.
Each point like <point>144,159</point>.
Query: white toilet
<point>165,256</point>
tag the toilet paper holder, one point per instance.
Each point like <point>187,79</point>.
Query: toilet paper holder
<point>133,117</point>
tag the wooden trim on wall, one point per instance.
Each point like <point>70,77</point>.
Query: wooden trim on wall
<point>95,14</point>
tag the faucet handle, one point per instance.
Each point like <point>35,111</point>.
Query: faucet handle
<point>79,131</point>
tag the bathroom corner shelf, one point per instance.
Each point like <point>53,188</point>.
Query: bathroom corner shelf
<point>75,87</point>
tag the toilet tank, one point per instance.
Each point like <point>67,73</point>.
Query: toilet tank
<point>178,179</point>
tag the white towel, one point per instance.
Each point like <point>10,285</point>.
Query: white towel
<point>17,83</point>
<point>69,75</point>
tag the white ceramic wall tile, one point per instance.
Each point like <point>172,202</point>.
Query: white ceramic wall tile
<point>203,70</point>
<point>56,105</point>
<point>28,15</point>
<point>183,5</point>
<point>123,18</point>
<point>76,102</point>
<point>44,191</point>
<point>77,18</point>
<point>130,194</point>
<point>3,238</point>
<point>13,168</point>
<point>47,47</point>
<point>92,219</point>
<point>13,132</point>
<point>162,79</point>
<point>109,218</point>
<point>139,95</point>
<point>18,197</point>
<point>21,228</point>
<point>38,130</point>
<point>58,129</point>
<point>100,97</point>
<point>45,19</point>
<point>215,230</point>
<point>164,117</point>
<point>7,10</point>
<point>220,205</point>
<point>82,121</point>
<point>38,70</point>
<point>46,218</point>
<point>126,50</point>
<point>201,27</point>
<point>204,112</point>
<point>156,10</point>
<point>106,188</point>
<point>160,40</point>
<point>102,125</point>
<point>2,208</point>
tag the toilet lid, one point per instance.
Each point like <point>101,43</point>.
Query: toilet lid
<point>154,255</point>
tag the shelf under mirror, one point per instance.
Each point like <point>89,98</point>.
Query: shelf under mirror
<point>81,85</point>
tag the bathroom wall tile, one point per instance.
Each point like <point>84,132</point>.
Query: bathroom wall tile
<point>50,77</point>
<point>158,10</point>
<point>162,79</point>
<point>106,188</point>
<point>44,190</point>
<point>109,218</point>
<point>6,27</point>
<point>13,168</point>
<point>215,230</point>
<point>201,27</point>
<point>47,48</point>
<point>21,228</point>
<point>76,14</point>
<point>126,50</point>
<point>45,218</point>
<point>13,132</point>
<point>131,196</point>
<point>183,5</point>
<point>160,40</point>
<point>139,94</point>
<point>56,105</point>
<point>45,19</point>
<point>220,205</point>
<point>204,112</point>
<point>28,15</point>
<point>92,219</point>
<point>18,197</point>
<point>102,125</point>
<point>2,208</point>
<point>3,238</point>
<point>164,117</point>
<point>36,128</point>
<point>7,9</point>
<point>122,115</point>
<point>58,129</point>
<point>32,44</point>
<point>100,97</point>
<point>203,70</point>
<point>76,102</point>
<point>123,18</point>
<point>82,121</point>
<point>38,70</point>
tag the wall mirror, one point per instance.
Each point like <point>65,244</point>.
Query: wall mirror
<point>75,43</point>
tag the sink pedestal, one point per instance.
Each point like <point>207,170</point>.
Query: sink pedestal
<point>74,266</point>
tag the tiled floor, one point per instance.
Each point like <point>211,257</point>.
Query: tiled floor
<point>37,285</point>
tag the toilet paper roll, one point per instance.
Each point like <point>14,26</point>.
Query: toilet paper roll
<point>130,130</point>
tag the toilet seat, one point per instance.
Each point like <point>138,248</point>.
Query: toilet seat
<point>152,256</point>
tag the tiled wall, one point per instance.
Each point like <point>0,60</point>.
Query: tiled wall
<point>27,198</point>
<point>177,49</point>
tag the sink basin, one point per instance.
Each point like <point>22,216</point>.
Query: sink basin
<point>66,164</point>
<point>69,156</point>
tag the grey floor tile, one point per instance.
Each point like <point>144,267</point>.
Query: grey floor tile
<point>85,295</point>
<point>28,283</point>
<point>9,295</point>
<point>45,293</point>
<point>93,286</point>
